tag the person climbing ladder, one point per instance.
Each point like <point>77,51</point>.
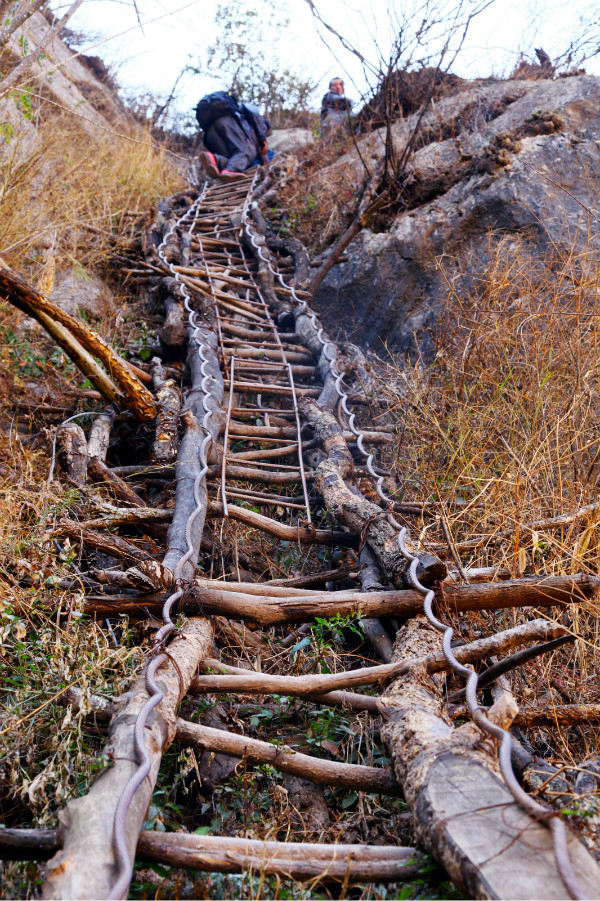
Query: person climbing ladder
<point>234,136</point>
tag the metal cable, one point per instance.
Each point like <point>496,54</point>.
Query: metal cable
<point>159,656</point>
<point>551,818</point>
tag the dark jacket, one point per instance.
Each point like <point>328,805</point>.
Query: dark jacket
<point>236,140</point>
<point>333,102</point>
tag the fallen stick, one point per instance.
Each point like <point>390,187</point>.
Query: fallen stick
<point>242,682</point>
<point>273,589</point>
<point>551,591</point>
<point>286,760</point>
<point>281,757</point>
<point>298,533</point>
<point>100,472</point>
<point>60,325</point>
<point>109,544</point>
<point>220,854</point>
<point>560,716</point>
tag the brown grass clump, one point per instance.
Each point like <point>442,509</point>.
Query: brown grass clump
<point>501,433</point>
<point>76,192</point>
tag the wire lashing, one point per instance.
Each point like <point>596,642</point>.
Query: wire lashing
<point>159,656</point>
<point>551,818</point>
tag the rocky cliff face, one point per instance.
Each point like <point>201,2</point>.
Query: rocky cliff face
<point>516,158</point>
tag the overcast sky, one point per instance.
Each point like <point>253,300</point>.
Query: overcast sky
<point>176,32</point>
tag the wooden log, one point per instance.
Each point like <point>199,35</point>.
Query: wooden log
<point>559,717</point>
<point>308,580</point>
<point>72,452</point>
<point>100,472</point>
<point>297,533</point>
<point>99,435</point>
<point>288,860</point>
<point>551,591</point>
<point>462,811</point>
<point>274,590</point>
<point>132,393</point>
<point>532,591</point>
<point>265,431</point>
<point>123,516</point>
<point>168,404</point>
<point>173,331</point>
<point>370,580</point>
<point>241,682</point>
<point>28,844</point>
<point>103,541</point>
<point>221,854</point>
<point>286,760</point>
<point>85,866</point>
<point>188,462</point>
<point>265,476</point>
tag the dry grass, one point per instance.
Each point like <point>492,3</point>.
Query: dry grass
<point>76,192</point>
<point>68,201</point>
<point>502,431</point>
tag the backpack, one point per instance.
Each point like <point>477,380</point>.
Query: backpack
<point>259,124</point>
<point>213,106</point>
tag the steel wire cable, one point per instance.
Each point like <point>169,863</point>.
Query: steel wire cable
<point>537,811</point>
<point>159,656</point>
<point>551,818</point>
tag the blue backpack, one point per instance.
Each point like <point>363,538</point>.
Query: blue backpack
<point>215,105</point>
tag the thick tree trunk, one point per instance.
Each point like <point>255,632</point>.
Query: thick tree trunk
<point>462,811</point>
<point>85,867</point>
<point>188,462</point>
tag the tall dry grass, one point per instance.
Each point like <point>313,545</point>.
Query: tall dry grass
<point>501,433</point>
<point>69,199</point>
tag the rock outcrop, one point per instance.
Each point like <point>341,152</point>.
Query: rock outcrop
<point>518,158</point>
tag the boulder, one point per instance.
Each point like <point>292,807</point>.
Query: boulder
<point>77,290</point>
<point>283,140</point>
<point>513,158</point>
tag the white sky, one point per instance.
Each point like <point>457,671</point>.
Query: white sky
<point>151,60</point>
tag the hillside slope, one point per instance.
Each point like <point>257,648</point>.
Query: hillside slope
<point>500,158</point>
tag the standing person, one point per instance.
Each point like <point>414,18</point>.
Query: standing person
<point>234,135</point>
<point>335,110</point>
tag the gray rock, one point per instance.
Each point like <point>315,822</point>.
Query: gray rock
<point>79,290</point>
<point>588,778</point>
<point>490,158</point>
<point>283,140</point>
